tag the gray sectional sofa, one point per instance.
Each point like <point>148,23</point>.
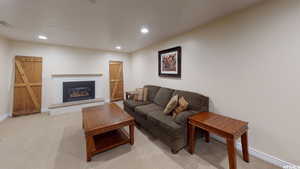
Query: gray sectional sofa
<point>149,114</point>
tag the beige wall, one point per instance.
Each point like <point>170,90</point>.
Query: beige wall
<point>61,60</point>
<point>4,78</point>
<point>249,65</point>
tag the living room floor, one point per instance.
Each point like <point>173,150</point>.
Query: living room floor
<point>57,142</point>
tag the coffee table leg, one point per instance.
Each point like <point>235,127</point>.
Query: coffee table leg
<point>89,147</point>
<point>245,147</point>
<point>206,134</point>
<point>191,138</point>
<point>131,131</point>
<point>231,153</point>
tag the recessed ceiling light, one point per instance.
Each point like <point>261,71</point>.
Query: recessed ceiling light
<point>42,37</point>
<point>144,30</point>
<point>118,47</point>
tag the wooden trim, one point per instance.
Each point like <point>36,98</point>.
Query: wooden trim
<point>76,75</point>
<point>32,60</point>
<point>115,62</point>
<point>116,99</point>
<point>30,84</point>
<point>25,112</point>
<point>115,80</point>
<point>29,59</point>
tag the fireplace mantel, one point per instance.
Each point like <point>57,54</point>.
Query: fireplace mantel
<point>75,103</point>
<point>77,75</point>
<point>58,79</point>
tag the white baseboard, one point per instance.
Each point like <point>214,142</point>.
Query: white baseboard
<point>258,154</point>
<point>3,116</point>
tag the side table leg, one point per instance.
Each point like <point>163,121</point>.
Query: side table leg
<point>231,153</point>
<point>245,147</point>
<point>191,138</point>
<point>131,132</point>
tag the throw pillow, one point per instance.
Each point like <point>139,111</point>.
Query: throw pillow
<point>145,94</point>
<point>139,95</point>
<point>182,106</point>
<point>171,105</point>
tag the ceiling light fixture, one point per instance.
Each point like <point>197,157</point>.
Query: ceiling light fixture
<point>118,47</point>
<point>144,30</point>
<point>42,37</point>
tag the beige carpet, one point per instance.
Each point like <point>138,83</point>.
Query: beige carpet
<point>57,142</point>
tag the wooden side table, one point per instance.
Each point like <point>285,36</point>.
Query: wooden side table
<point>226,127</point>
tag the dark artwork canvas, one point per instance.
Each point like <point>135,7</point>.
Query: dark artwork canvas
<point>169,62</point>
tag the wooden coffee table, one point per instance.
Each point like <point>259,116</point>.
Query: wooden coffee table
<point>103,127</point>
<point>228,128</point>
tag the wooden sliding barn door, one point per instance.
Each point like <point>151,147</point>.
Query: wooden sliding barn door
<point>116,80</point>
<point>28,85</point>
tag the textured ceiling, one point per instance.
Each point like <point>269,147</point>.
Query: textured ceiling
<point>104,24</point>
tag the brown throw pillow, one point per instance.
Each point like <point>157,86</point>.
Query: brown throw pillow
<point>139,95</point>
<point>182,106</point>
<point>135,96</point>
<point>171,105</point>
<point>145,94</point>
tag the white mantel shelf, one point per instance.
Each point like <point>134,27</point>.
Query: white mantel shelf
<point>77,75</point>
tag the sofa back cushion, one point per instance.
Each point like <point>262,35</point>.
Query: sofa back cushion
<point>163,96</point>
<point>152,91</point>
<point>196,101</point>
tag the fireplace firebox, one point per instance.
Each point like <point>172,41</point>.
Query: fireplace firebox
<point>79,90</point>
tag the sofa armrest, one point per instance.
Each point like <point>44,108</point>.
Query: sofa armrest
<point>130,94</point>
<point>182,117</point>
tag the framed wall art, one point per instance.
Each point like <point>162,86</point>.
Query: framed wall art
<point>169,62</point>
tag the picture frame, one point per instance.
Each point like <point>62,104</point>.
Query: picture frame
<point>169,62</point>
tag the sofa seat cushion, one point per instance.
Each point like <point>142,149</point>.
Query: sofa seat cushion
<point>145,110</point>
<point>166,123</point>
<point>182,117</point>
<point>132,103</point>
<point>163,96</point>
